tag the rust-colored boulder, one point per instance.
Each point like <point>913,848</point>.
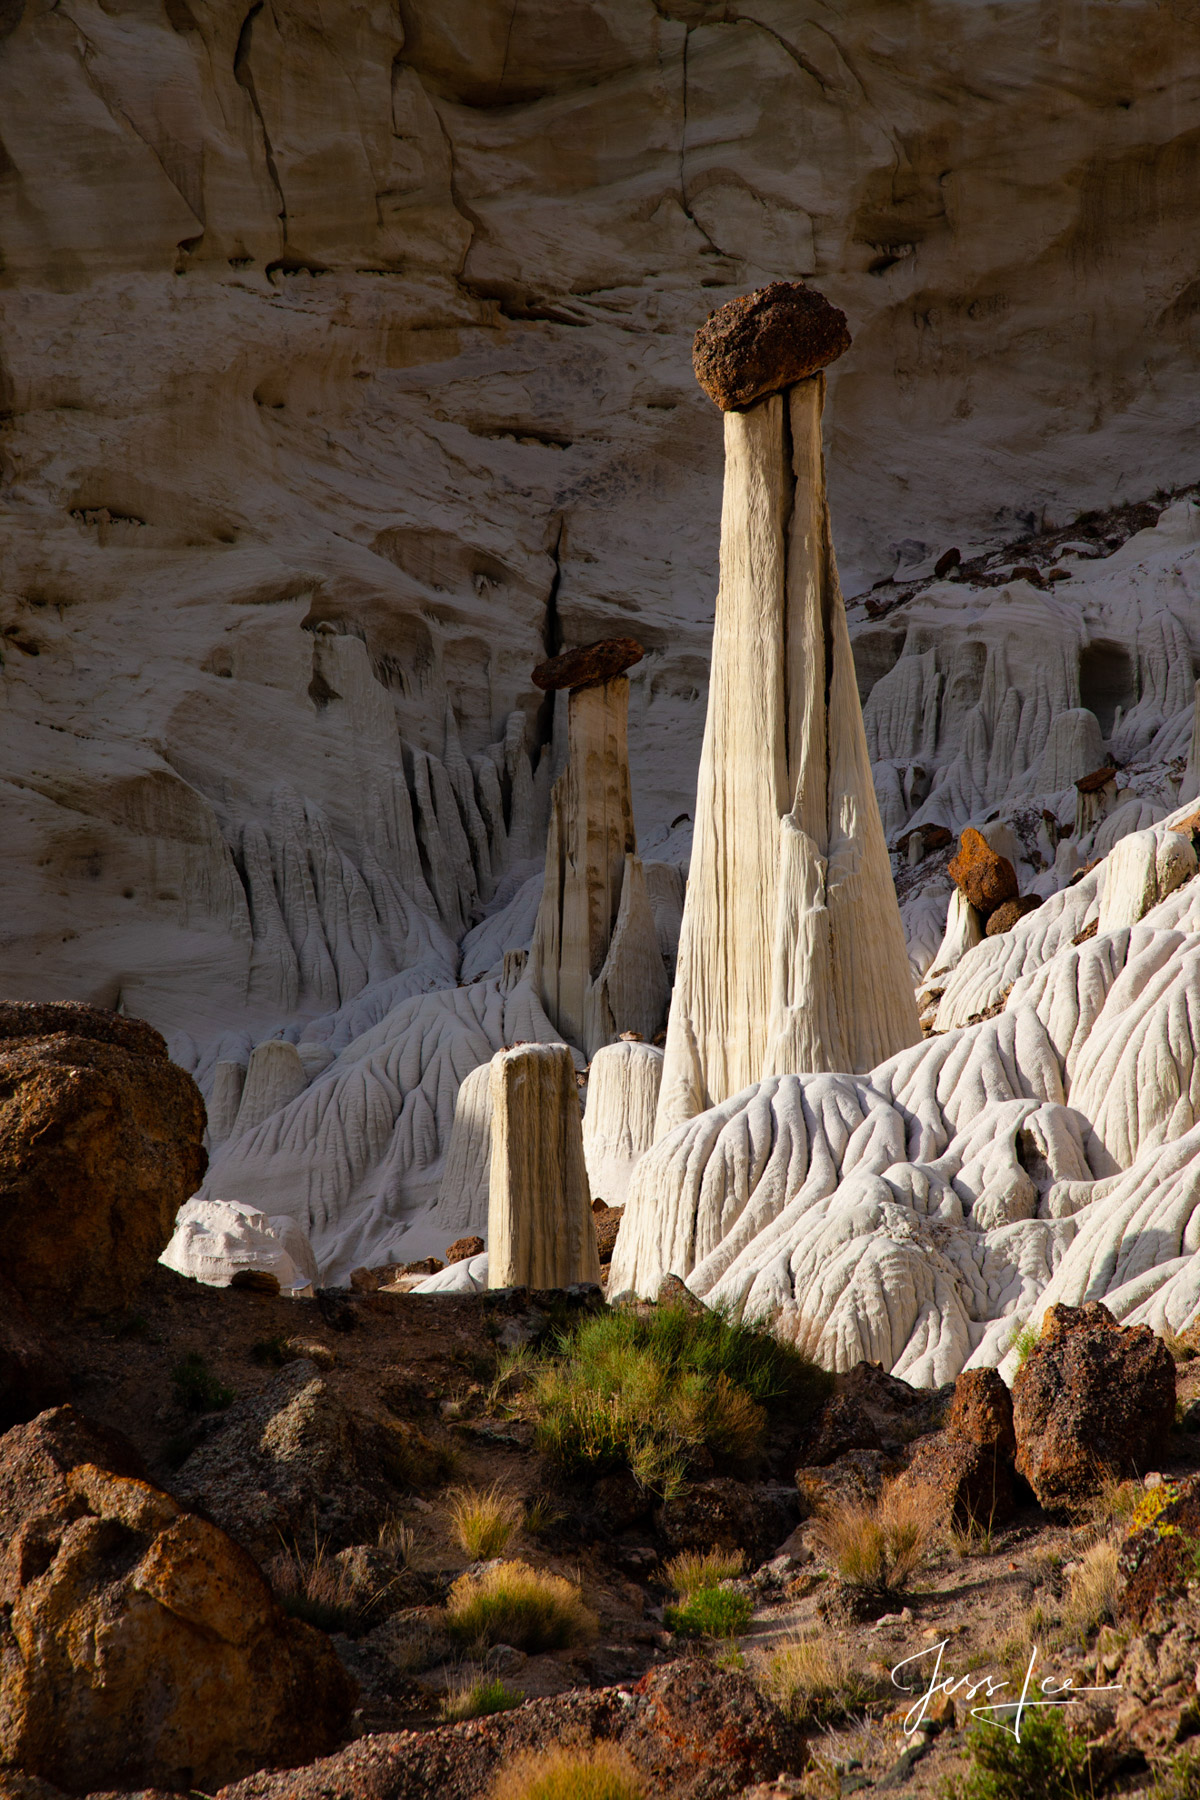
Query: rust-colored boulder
<point>589,665</point>
<point>1006,916</point>
<point>767,341</point>
<point>966,1471</point>
<point>981,875</point>
<point>1093,1400</point>
<point>463,1248</point>
<point>101,1142</point>
<point>1157,1558</point>
<point>138,1644</point>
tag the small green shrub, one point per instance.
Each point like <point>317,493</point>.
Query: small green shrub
<point>270,1353</point>
<point>711,1612</point>
<point>197,1387</point>
<point>510,1603</point>
<point>479,1697</point>
<point>601,1773</point>
<point>693,1570</point>
<point>1024,1343</point>
<point>1047,1763</point>
<point>649,1389</point>
<point>483,1519</point>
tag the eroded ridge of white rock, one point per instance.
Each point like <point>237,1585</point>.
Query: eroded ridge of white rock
<point>618,1123</point>
<point>595,960</point>
<point>920,1215</point>
<point>540,1228</point>
<point>791,952</point>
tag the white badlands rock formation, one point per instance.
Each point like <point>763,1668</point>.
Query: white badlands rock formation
<point>791,951</point>
<point>214,1239</point>
<point>595,961</point>
<point>540,1228</point>
<point>618,1125</point>
<point>921,1215</point>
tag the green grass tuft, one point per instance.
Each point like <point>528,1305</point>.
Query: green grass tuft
<point>711,1612</point>
<point>479,1698</point>
<point>651,1389</point>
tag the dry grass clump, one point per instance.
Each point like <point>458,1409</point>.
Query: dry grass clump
<point>602,1772</point>
<point>693,1570</point>
<point>1116,1503</point>
<point>482,1520</point>
<point>310,1586</point>
<point>1093,1591</point>
<point>878,1548</point>
<point>814,1680</point>
<point>510,1603</point>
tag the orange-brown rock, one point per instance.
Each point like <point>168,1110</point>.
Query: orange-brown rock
<point>766,341</point>
<point>967,1469</point>
<point>981,875</point>
<point>463,1248</point>
<point>101,1142</point>
<point>1094,1399</point>
<point>589,665</point>
<point>138,1644</point>
<point>1006,916</point>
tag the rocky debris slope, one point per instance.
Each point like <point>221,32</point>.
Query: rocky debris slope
<point>192,1674</point>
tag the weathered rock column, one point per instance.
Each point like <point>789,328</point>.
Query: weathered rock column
<point>595,962</point>
<point>618,1126</point>
<point>540,1228</point>
<point>791,954</point>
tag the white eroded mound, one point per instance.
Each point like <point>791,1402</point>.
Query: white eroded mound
<point>920,1215</point>
<point>355,1157</point>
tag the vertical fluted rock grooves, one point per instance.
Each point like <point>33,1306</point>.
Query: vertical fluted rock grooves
<point>595,961</point>
<point>540,1228</point>
<point>791,955</point>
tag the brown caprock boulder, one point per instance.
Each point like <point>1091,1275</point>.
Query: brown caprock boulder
<point>139,1646</point>
<point>101,1142</point>
<point>1093,1400</point>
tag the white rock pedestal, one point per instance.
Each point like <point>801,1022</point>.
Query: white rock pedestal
<point>540,1228</point>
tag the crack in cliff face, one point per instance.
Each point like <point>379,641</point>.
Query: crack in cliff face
<point>683,193</point>
<point>243,74</point>
<point>797,56</point>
